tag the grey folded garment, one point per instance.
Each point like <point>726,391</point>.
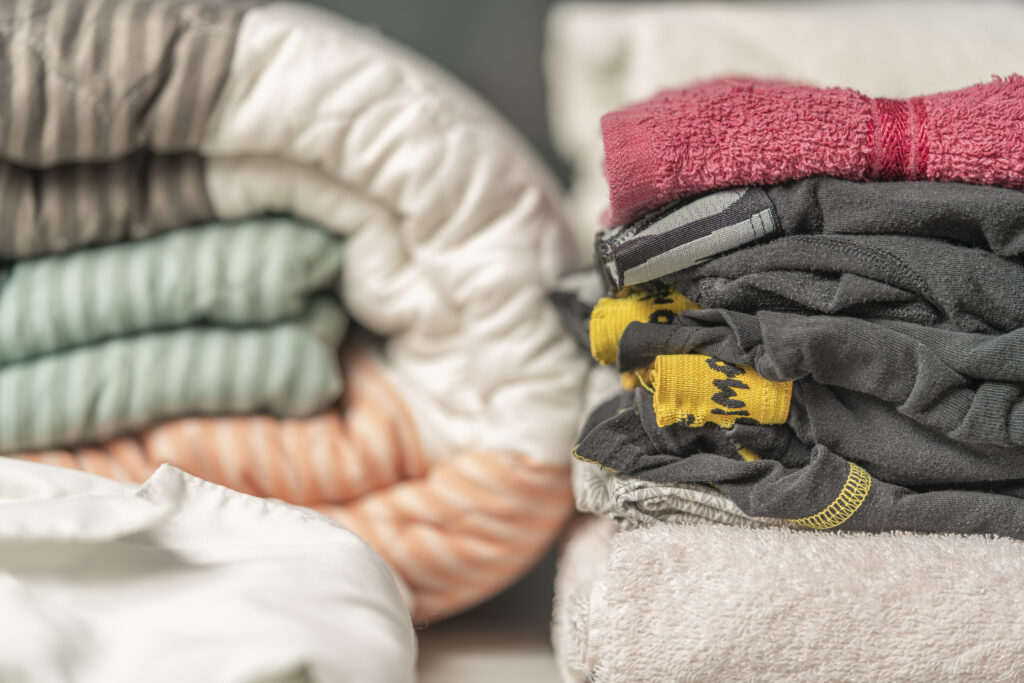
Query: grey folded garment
<point>855,415</point>
<point>104,108</point>
<point>685,233</point>
<point>709,602</point>
<point>633,502</point>
<point>825,492</point>
<point>903,251</point>
<point>59,209</point>
<point>914,279</point>
<point>968,387</point>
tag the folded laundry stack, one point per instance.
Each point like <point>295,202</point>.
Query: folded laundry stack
<point>601,56</point>
<point>811,300</point>
<point>197,196</point>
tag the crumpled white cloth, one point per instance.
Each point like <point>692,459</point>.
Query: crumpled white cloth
<point>182,580</point>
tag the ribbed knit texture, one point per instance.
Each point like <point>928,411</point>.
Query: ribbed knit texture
<point>733,132</point>
<point>54,210</point>
<point>59,102</point>
<point>244,273</point>
<point>108,389</point>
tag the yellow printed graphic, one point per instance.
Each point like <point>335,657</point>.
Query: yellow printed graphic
<point>611,316</point>
<point>849,500</point>
<point>697,390</point>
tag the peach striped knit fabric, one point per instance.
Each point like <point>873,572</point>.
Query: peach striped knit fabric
<point>457,531</point>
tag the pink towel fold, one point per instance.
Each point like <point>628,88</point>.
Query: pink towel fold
<point>747,132</point>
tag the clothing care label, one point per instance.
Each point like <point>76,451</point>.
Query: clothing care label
<point>683,235</point>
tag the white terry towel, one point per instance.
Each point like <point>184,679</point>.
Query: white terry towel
<point>710,602</point>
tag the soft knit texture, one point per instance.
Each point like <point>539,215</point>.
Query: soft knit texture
<point>732,132</point>
<point>816,487</point>
<point>965,386</point>
<point>709,602</point>
<point>846,406</point>
<point>920,280</point>
<point>631,502</point>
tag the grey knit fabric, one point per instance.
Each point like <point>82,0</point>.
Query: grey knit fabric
<point>969,387</point>
<point>828,492</point>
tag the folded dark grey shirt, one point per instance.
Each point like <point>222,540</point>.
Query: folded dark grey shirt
<point>914,251</point>
<point>915,279</point>
<point>825,491</point>
<point>968,387</point>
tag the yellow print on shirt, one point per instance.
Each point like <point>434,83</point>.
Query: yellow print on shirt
<point>611,316</point>
<point>697,390</point>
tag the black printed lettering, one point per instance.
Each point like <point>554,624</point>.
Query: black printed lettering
<point>661,297</point>
<point>727,369</point>
<point>726,391</point>
<point>662,317</point>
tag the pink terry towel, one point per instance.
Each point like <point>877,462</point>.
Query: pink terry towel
<point>748,132</point>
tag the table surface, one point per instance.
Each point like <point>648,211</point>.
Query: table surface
<point>506,639</point>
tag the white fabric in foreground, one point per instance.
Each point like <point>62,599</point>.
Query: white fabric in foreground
<point>709,602</point>
<point>601,56</point>
<point>181,580</point>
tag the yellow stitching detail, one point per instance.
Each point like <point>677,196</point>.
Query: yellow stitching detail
<point>644,384</point>
<point>576,454</point>
<point>849,500</point>
<point>748,455</point>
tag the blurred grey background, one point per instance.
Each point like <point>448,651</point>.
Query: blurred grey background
<point>494,46</point>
